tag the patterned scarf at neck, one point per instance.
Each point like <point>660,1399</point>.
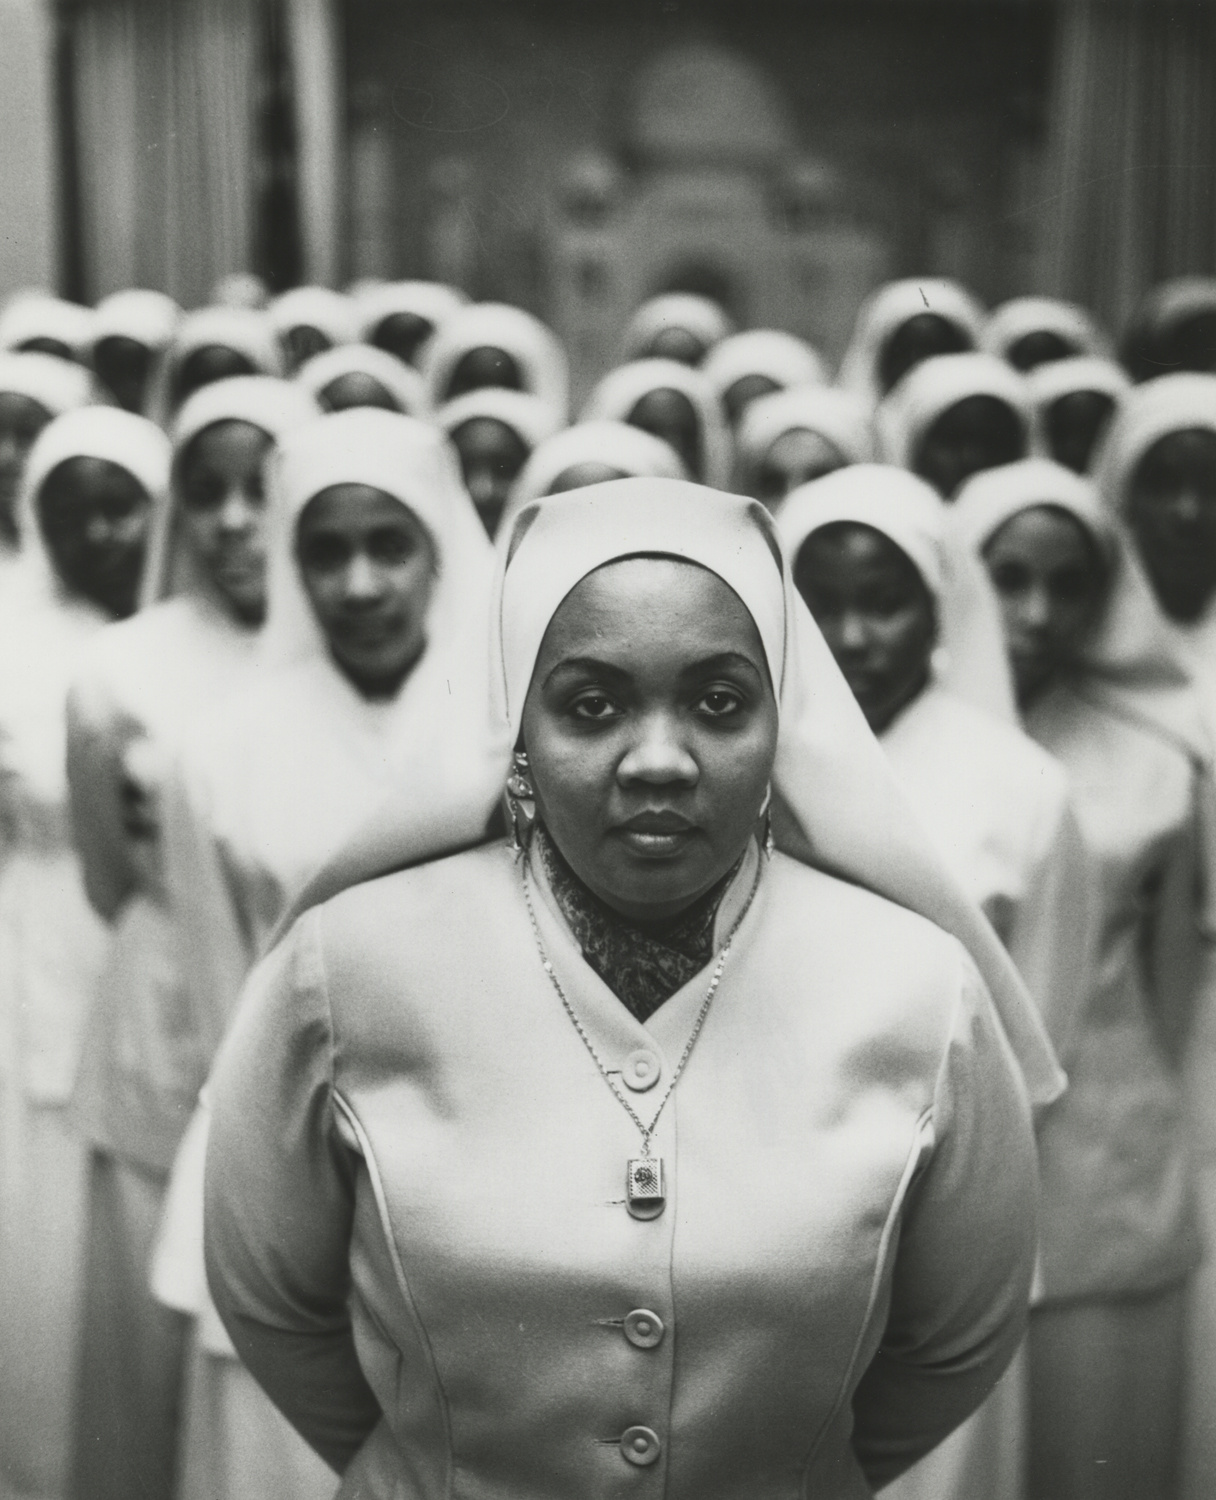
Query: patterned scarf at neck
<point>642,966</point>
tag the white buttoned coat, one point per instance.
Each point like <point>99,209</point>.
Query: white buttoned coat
<point>416,1226</point>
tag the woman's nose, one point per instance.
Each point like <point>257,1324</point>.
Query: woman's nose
<point>1035,610</point>
<point>481,486</point>
<point>361,581</point>
<point>235,512</point>
<point>851,631</point>
<point>658,754</point>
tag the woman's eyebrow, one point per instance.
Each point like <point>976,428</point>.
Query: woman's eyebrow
<point>591,665</point>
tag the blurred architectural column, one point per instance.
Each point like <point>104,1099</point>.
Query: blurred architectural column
<point>28,161</point>
<point>315,40</point>
<point>1130,189</point>
<point>164,96</point>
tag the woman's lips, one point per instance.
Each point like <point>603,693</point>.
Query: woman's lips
<point>656,833</point>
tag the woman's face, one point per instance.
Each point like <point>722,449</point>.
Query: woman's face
<point>21,420</point>
<point>207,365</point>
<point>578,476</point>
<point>356,388</point>
<point>743,392</point>
<point>679,344</point>
<point>1075,422</point>
<point>916,340</point>
<point>123,365</point>
<point>368,566</point>
<point>485,366</point>
<point>797,457</point>
<point>1042,347</point>
<point>650,727</point>
<point>94,520</point>
<point>222,513</point>
<point>1171,509</point>
<point>1048,577</point>
<point>403,335</point>
<point>874,610</point>
<point>670,415</point>
<point>301,343</point>
<point>491,456</point>
<point>979,432</point>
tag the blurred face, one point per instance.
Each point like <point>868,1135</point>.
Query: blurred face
<point>368,567</point>
<point>21,420</point>
<point>222,513</point>
<point>1049,579</point>
<point>797,457</point>
<point>1172,513</point>
<point>356,388</point>
<point>207,365</point>
<point>741,395</point>
<point>651,729</point>
<point>123,366</point>
<point>678,344</point>
<point>94,520</point>
<point>670,415</point>
<point>301,343</point>
<point>1039,348</point>
<point>485,367</point>
<point>875,613</point>
<point>491,456</point>
<point>1194,343</point>
<point>915,341</point>
<point>1074,424</point>
<point>976,433</point>
<point>577,476</point>
<point>403,335</point>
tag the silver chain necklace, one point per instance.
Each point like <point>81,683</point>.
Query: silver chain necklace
<point>645,1193</point>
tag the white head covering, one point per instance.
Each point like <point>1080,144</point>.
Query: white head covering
<point>836,802</point>
<point>533,347</point>
<point>839,416</point>
<point>1021,316</point>
<point>106,432</point>
<point>1163,309</point>
<point>148,317</point>
<point>1049,383</point>
<point>1150,412</point>
<point>55,384</point>
<point>241,329</point>
<point>529,417</point>
<point>970,660</point>
<point>780,357</point>
<point>615,397</point>
<point>636,454</point>
<point>932,388</point>
<point>40,315</point>
<point>431,300</point>
<point>275,406</point>
<point>700,316</point>
<point>402,383</point>
<point>329,312</point>
<point>887,310</point>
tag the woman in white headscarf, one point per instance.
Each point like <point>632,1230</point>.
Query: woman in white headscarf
<point>673,402</point>
<point>41,323</point>
<point>1173,329</point>
<point>492,344</point>
<point>1033,331</point>
<point>1100,686</point>
<point>138,686</point>
<point>379,577</point>
<point>794,436</point>
<point>676,325</point>
<point>400,316</point>
<point>914,627</point>
<point>953,416</point>
<point>33,389</point>
<point>1073,402</point>
<point>793,1187</point>
<point>308,320</point>
<point>214,343</point>
<point>748,365</point>
<point>131,331</point>
<point>494,433</point>
<point>902,324</point>
<point>94,478</point>
<point>358,375</point>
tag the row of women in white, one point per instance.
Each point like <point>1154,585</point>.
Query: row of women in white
<point>239,626</point>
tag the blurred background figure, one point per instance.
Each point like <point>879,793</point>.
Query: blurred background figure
<point>748,365</point>
<point>673,402</point>
<point>131,332</point>
<point>677,326</point>
<point>308,320</point>
<point>901,326</point>
<point>495,432</point>
<point>794,436</point>
<point>1074,401</point>
<point>1173,329</point>
<point>40,323</point>
<point>400,316</point>
<point>1034,331</point>
<point>214,343</point>
<point>490,344</point>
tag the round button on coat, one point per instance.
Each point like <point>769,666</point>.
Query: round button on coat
<point>642,1070</point>
<point>644,1329</point>
<point>640,1445</point>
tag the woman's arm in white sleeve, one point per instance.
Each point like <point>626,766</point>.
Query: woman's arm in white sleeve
<point>961,1281</point>
<point>280,1204</point>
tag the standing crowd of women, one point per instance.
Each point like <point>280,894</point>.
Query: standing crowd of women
<point>287,609</point>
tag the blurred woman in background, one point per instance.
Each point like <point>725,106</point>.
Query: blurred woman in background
<point>682,326</point>
<point>673,402</point>
<point>491,344</point>
<point>1030,332</point>
<point>399,317</point>
<point>1173,329</point>
<point>1074,402</point>
<point>41,323</point>
<point>214,343</point>
<point>131,332</point>
<point>494,432</point>
<point>358,375</point>
<point>308,320</point>
<point>757,363</point>
<point>794,436</point>
<point>901,325</point>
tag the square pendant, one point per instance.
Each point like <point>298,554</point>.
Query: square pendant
<point>644,1194</point>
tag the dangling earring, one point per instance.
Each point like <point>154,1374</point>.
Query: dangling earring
<point>521,802</point>
<point>766,812</point>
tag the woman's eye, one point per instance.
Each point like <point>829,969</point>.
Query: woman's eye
<point>391,548</point>
<point>203,495</point>
<point>324,553</point>
<point>719,702</point>
<point>594,706</point>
